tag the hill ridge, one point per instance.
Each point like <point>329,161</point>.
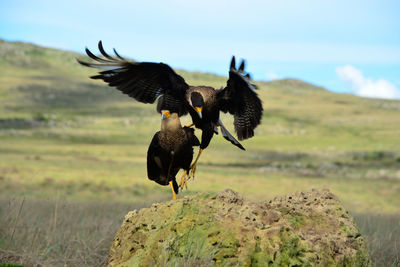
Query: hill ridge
<point>11,49</point>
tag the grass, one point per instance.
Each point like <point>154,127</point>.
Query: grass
<point>77,145</point>
<point>56,232</point>
<point>382,233</point>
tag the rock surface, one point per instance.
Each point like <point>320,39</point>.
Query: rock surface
<point>302,229</point>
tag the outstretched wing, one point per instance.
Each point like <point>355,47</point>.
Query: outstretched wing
<point>144,81</point>
<point>240,99</point>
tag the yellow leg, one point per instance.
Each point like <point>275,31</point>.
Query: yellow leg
<point>194,165</point>
<point>190,125</point>
<point>183,180</point>
<point>174,197</point>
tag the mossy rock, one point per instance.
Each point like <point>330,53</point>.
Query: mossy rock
<point>303,229</point>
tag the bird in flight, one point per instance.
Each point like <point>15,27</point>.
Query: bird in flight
<point>147,81</point>
<point>170,150</point>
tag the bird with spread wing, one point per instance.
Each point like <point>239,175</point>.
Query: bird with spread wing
<point>147,82</point>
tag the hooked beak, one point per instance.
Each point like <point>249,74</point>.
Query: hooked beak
<point>165,114</point>
<point>198,110</point>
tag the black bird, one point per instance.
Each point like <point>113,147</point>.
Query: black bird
<point>170,150</point>
<point>147,81</point>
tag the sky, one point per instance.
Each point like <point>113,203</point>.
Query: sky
<point>344,46</point>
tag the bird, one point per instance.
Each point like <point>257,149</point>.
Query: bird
<point>170,150</point>
<point>149,81</point>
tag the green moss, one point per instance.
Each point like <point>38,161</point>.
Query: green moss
<point>296,220</point>
<point>187,210</point>
<point>292,251</point>
<point>205,242</point>
<point>360,259</point>
<point>189,236</point>
<point>345,229</point>
<point>260,256</point>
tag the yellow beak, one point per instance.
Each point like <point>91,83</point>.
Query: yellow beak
<point>165,114</point>
<point>199,110</point>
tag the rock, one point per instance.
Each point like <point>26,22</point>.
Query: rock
<point>302,229</point>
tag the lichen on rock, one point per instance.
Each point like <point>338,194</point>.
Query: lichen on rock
<point>302,229</point>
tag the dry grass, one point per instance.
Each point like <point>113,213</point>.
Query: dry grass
<point>58,232</point>
<point>382,233</point>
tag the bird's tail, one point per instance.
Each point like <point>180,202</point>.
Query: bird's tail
<point>228,136</point>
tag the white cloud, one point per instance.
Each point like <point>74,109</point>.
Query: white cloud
<point>272,75</point>
<point>367,87</point>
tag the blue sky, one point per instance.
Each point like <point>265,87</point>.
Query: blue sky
<point>344,46</point>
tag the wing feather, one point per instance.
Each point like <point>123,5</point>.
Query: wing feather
<point>116,53</point>
<point>143,81</point>
<point>240,99</point>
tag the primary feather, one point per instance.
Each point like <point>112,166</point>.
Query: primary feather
<point>240,99</point>
<point>144,81</point>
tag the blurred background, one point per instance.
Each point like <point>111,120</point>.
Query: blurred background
<point>73,151</point>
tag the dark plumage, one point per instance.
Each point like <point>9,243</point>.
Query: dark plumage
<point>170,150</point>
<point>147,82</point>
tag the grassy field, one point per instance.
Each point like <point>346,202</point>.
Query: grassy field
<point>73,157</point>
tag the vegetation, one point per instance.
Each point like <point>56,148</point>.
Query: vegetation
<point>74,151</point>
<point>228,230</point>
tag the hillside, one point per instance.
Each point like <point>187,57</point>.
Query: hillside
<point>46,98</point>
<point>73,156</point>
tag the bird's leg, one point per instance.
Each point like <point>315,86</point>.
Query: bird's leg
<point>183,180</point>
<point>194,165</point>
<point>190,125</point>
<point>174,197</point>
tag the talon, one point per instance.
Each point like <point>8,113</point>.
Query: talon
<point>190,125</point>
<point>192,170</point>
<point>194,165</point>
<point>183,180</point>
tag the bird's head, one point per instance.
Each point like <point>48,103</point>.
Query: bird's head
<point>197,102</point>
<point>170,121</point>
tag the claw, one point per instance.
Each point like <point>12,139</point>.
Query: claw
<point>192,170</point>
<point>183,182</point>
<point>194,165</point>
